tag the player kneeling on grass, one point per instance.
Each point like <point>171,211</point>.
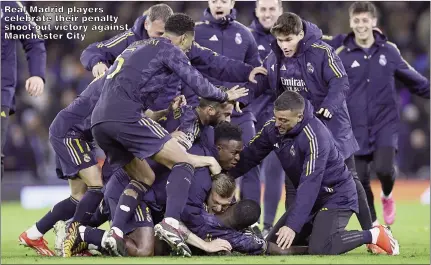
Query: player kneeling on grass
<point>326,193</point>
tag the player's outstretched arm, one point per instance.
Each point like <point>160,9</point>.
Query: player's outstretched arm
<point>178,62</point>
<point>218,66</point>
<point>316,150</point>
<point>404,72</point>
<point>212,246</point>
<point>98,56</point>
<point>205,161</point>
<point>178,102</point>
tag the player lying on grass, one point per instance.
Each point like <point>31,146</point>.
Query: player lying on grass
<point>139,239</point>
<point>326,192</point>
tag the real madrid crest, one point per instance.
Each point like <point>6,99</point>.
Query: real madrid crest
<point>310,68</point>
<point>292,150</point>
<point>238,38</point>
<point>382,60</point>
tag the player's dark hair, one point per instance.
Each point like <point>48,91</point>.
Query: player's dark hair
<point>203,102</point>
<point>179,24</point>
<point>363,7</point>
<point>159,12</point>
<point>246,213</point>
<point>288,23</point>
<point>289,100</point>
<point>227,131</point>
<point>224,185</point>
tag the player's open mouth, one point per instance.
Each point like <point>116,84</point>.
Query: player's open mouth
<point>218,13</point>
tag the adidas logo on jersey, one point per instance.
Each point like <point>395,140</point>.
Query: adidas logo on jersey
<point>355,64</point>
<point>260,48</point>
<point>214,38</point>
<point>283,68</point>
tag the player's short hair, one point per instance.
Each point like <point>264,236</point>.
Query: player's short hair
<point>227,131</point>
<point>289,100</point>
<point>247,213</point>
<point>203,102</point>
<point>179,24</point>
<point>159,12</point>
<point>288,23</point>
<point>280,3</point>
<point>363,7</point>
<point>224,185</point>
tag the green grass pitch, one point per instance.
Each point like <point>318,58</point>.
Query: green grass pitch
<point>411,229</point>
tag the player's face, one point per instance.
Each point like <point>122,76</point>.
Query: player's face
<point>267,11</point>
<point>220,8</point>
<point>154,29</point>
<point>184,42</point>
<point>362,25</point>
<point>285,120</point>
<point>289,43</point>
<point>217,204</point>
<point>187,41</point>
<point>221,114</point>
<point>229,153</point>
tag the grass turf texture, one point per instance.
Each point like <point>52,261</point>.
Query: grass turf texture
<point>411,229</point>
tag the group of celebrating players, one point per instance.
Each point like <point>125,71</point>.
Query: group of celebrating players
<point>183,109</point>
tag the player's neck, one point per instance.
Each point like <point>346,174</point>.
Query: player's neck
<point>367,43</point>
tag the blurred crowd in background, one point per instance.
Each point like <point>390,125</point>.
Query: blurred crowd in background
<point>405,23</point>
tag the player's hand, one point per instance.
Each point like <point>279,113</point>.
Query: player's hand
<point>178,102</point>
<point>217,245</point>
<point>285,237</point>
<point>237,107</point>
<point>255,71</point>
<point>325,113</point>
<point>214,166</point>
<point>34,86</point>
<point>179,135</point>
<point>99,69</point>
<point>236,92</point>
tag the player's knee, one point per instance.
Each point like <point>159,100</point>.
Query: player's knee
<point>131,192</point>
<point>78,191</point>
<point>385,171</point>
<point>316,249</point>
<point>92,176</point>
